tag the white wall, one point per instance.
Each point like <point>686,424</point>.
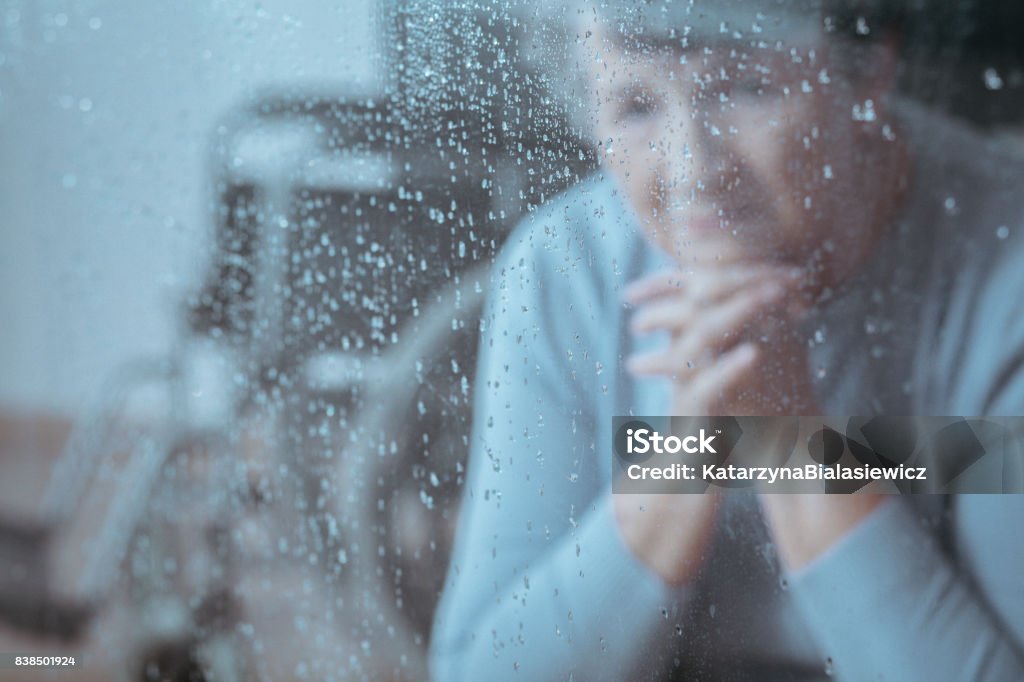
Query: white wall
<point>106,109</point>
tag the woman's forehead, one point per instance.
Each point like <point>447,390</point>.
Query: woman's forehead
<point>661,58</point>
<point>802,41</point>
<point>709,21</point>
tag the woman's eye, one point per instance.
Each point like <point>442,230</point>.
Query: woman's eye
<point>751,88</point>
<point>638,105</point>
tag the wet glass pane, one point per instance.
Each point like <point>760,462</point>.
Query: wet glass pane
<point>318,316</point>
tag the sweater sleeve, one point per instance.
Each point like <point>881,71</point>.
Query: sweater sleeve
<point>540,584</point>
<point>887,603</point>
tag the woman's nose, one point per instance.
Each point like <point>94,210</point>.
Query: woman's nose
<point>698,159</point>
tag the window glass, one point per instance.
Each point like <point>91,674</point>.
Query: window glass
<point>317,317</point>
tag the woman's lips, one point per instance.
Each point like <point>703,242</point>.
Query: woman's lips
<point>725,221</point>
<point>702,223</point>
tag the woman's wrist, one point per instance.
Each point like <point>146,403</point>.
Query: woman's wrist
<point>667,533</point>
<point>805,526</point>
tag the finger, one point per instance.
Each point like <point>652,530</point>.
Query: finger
<point>709,284</point>
<point>679,314</point>
<point>722,326</point>
<point>664,281</point>
<point>715,331</point>
<point>709,388</point>
<point>669,314</point>
<point>656,363</point>
<point>726,375</point>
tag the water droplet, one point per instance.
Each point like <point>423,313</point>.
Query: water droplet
<point>426,499</point>
<point>993,81</point>
<point>1002,232</point>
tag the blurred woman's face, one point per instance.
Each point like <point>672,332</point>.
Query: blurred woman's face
<point>733,151</point>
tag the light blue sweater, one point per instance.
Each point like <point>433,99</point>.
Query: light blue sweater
<point>541,585</point>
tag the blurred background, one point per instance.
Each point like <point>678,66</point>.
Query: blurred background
<point>243,250</point>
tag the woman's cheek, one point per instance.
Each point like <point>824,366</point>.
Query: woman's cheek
<point>639,169</point>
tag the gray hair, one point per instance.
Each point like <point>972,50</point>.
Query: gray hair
<point>557,35</point>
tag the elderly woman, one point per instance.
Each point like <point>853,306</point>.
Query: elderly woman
<point>772,230</point>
